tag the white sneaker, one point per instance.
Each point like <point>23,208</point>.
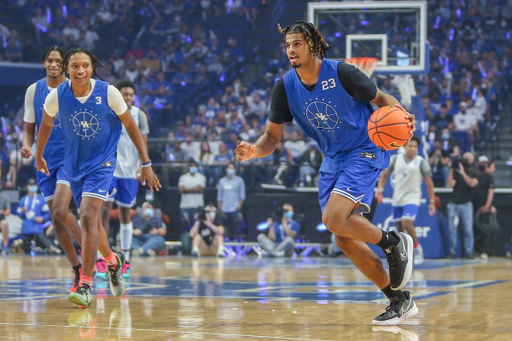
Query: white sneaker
<point>195,252</point>
<point>418,255</point>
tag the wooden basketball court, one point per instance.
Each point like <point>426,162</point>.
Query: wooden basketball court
<point>170,298</point>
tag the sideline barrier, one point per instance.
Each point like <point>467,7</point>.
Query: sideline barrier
<point>233,249</point>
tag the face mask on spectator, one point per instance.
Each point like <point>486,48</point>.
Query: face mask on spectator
<point>193,170</point>
<point>446,136</point>
<point>32,189</point>
<point>288,214</point>
<point>230,172</point>
<point>149,212</point>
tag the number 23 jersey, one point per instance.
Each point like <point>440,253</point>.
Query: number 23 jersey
<point>334,112</point>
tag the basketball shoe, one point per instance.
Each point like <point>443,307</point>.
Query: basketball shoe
<point>397,311</point>
<point>82,296</point>
<point>76,280</point>
<point>418,255</point>
<point>126,269</point>
<point>101,268</point>
<point>115,274</point>
<point>400,260</point>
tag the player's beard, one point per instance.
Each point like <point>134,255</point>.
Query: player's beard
<point>296,66</point>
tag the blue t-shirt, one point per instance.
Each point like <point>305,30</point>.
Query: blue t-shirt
<point>54,150</point>
<point>222,159</point>
<point>91,129</point>
<point>280,231</point>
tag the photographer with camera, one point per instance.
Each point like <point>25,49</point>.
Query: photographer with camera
<point>148,232</point>
<point>208,232</point>
<point>281,231</point>
<point>463,180</point>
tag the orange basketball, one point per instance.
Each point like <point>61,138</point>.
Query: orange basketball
<point>389,128</point>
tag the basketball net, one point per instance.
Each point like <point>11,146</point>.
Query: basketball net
<point>365,64</point>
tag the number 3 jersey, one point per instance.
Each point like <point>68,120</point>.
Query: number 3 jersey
<point>333,117</point>
<point>92,129</point>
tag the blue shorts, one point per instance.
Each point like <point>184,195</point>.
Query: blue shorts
<point>353,180</point>
<point>126,193</point>
<point>407,212</point>
<point>48,183</point>
<point>95,185</point>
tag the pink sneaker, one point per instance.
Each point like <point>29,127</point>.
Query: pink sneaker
<point>126,269</point>
<point>101,268</point>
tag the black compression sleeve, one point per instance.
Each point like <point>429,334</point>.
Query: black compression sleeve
<point>279,109</point>
<point>356,83</point>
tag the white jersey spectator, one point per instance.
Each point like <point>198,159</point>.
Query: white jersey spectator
<point>463,120</point>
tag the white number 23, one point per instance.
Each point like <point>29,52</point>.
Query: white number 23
<point>328,84</point>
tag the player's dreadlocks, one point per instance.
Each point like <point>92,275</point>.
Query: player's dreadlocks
<point>94,60</point>
<point>52,48</point>
<point>314,38</point>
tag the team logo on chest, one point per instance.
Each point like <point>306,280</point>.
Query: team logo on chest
<point>85,124</point>
<point>321,114</point>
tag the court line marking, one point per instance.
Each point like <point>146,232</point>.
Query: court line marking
<point>169,331</point>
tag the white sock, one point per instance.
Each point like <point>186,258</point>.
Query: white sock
<point>195,249</point>
<point>126,236</point>
<point>220,250</point>
<point>99,255</point>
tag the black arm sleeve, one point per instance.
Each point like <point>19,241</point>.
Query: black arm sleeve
<point>279,109</point>
<point>356,83</point>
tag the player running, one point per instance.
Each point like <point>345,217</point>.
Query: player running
<point>329,100</point>
<point>54,186</point>
<point>409,169</point>
<point>125,179</point>
<point>91,113</point>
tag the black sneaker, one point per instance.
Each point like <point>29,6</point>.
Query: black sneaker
<point>397,311</point>
<point>400,260</point>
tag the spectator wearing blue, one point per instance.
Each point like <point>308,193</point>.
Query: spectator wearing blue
<point>148,232</point>
<point>34,212</point>
<point>281,231</point>
<point>235,123</point>
<point>5,210</point>
<point>230,198</point>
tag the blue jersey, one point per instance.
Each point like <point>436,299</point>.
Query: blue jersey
<point>333,118</point>
<point>54,151</point>
<point>92,131</point>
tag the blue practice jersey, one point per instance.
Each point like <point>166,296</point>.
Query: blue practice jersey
<point>92,131</point>
<point>332,117</point>
<point>54,151</point>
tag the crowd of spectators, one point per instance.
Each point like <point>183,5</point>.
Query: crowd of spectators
<point>169,48</point>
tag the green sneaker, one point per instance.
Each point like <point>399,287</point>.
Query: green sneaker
<point>82,296</point>
<point>115,275</point>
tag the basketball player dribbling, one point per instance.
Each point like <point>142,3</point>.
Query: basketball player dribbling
<point>55,186</point>
<point>329,101</point>
<point>91,113</point>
